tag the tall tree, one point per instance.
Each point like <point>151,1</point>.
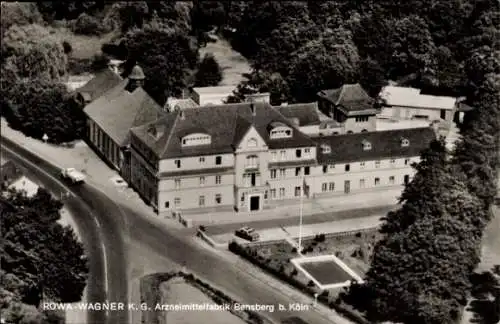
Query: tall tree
<point>167,56</point>
<point>476,155</point>
<point>34,52</point>
<point>39,257</point>
<point>431,245</point>
<point>209,72</point>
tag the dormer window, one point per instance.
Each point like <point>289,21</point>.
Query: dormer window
<point>196,139</point>
<point>366,145</point>
<point>280,130</point>
<point>325,149</point>
<point>405,142</point>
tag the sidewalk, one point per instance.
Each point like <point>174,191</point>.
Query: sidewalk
<point>292,232</point>
<point>81,157</point>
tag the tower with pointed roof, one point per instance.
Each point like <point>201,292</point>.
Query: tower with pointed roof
<point>135,79</point>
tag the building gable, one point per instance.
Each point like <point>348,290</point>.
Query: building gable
<point>251,141</point>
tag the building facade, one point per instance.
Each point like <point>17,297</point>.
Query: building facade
<point>402,103</point>
<point>113,113</point>
<point>248,157</point>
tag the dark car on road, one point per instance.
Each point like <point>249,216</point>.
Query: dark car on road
<point>247,233</point>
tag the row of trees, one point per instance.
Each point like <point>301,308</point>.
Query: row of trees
<point>421,270</point>
<point>297,47</point>
<point>33,96</point>
<point>40,258</point>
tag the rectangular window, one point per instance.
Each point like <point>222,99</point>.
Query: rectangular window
<point>178,163</point>
<point>282,193</point>
<point>377,181</point>
<point>347,167</point>
<point>307,170</point>
<point>282,173</point>
<point>362,165</point>
<point>331,186</point>
<point>307,152</point>
<point>242,197</point>
<point>297,171</point>
<point>298,153</point>
<point>218,160</point>
<point>393,162</point>
<point>218,179</point>
<point>273,193</point>
<point>332,166</point>
<point>325,168</point>
<point>218,199</point>
<point>274,156</point>
<point>202,181</point>
<point>362,183</point>
<point>167,204</point>
<point>407,161</point>
<point>377,164</point>
<point>201,201</point>
<point>297,191</point>
<point>283,155</point>
<point>177,183</point>
<point>202,160</point>
<point>324,186</point>
<point>391,180</point>
<point>177,202</point>
<point>273,174</point>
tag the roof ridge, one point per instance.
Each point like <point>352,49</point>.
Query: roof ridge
<point>342,88</point>
<point>170,134</point>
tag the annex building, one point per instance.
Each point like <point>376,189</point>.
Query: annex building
<point>250,156</point>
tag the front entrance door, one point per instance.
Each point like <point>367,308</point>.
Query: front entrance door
<point>347,186</point>
<point>254,203</point>
<point>406,179</point>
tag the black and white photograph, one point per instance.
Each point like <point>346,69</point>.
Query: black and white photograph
<point>250,162</point>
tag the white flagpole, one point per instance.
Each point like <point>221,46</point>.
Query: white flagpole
<point>300,213</point>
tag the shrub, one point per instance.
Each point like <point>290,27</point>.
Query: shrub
<point>358,234</point>
<point>294,250</point>
<point>294,273</point>
<point>310,283</point>
<point>202,228</point>
<point>67,47</point>
<point>87,25</point>
<point>320,238</point>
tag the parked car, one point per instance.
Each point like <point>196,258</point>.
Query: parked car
<point>247,233</point>
<point>73,175</point>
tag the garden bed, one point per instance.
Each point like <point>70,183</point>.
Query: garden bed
<point>152,295</point>
<point>326,272</point>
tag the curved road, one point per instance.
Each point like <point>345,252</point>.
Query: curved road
<point>173,245</point>
<point>100,230</point>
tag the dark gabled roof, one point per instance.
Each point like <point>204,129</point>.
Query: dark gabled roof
<point>102,82</point>
<point>384,144</point>
<point>306,113</point>
<point>118,110</point>
<point>226,124</point>
<point>350,98</point>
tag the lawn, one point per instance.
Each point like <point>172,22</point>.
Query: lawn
<point>84,47</point>
<point>326,272</point>
<point>180,292</point>
<point>353,250</point>
<point>232,63</point>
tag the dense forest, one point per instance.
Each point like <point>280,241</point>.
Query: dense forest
<point>41,259</point>
<point>422,269</point>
